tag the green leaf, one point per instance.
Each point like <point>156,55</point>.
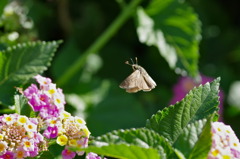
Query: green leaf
<point>124,151</point>
<point>141,137</point>
<point>3,3</point>
<point>198,104</point>
<point>21,105</point>
<point>45,154</point>
<point>20,63</point>
<point>174,28</point>
<point>192,139</point>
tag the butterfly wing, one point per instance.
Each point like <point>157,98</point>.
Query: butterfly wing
<point>149,82</point>
<point>136,82</point>
<point>133,90</point>
<point>140,84</point>
<point>130,83</point>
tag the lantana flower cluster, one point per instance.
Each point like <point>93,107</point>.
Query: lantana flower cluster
<point>72,133</point>
<point>225,143</point>
<point>19,137</point>
<point>49,101</point>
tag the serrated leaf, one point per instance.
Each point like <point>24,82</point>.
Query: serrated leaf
<point>174,28</point>
<point>199,103</point>
<point>141,137</point>
<point>194,136</point>
<point>20,63</point>
<point>124,151</point>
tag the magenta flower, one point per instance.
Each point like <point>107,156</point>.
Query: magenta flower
<point>31,90</point>
<point>34,152</point>
<point>35,102</point>
<point>51,132</point>
<point>8,155</point>
<point>67,154</point>
<point>47,99</point>
<point>185,84</point>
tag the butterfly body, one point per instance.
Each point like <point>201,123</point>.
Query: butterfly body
<point>138,80</point>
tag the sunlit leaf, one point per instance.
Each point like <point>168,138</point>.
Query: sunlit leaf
<point>190,142</point>
<point>124,151</point>
<point>199,103</point>
<point>20,63</point>
<point>174,28</point>
<point>141,137</point>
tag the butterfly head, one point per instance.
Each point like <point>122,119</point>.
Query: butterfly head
<point>134,66</point>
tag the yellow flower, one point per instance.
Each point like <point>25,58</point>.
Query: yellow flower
<point>3,146</point>
<point>72,142</point>
<point>65,114</point>
<point>1,136</point>
<point>226,157</point>
<point>62,140</point>
<point>8,119</point>
<point>215,153</point>
<point>80,120</point>
<point>51,91</point>
<point>22,120</point>
<point>86,131</point>
<point>27,144</point>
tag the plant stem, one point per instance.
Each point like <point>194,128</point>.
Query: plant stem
<point>100,42</point>
<point>7,111</point>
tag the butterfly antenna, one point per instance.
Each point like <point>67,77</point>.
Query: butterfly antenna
<point>127,62</point>
<point>136,60</point>
<point>132,61</point>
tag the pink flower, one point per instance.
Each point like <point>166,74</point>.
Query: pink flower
<point>43,81</point>
<point>92,155</point>
<point>185,84</point>
<point>225,143</point>
<point>49,111</point>
<point>34,152</point>
<point>67,154</point>
<point>38,138</point>
<point>19,137</point>
<point>236,153</point>
<point>20,153</point>
<point>28,144</point>
<point>48,100</point>
<point>31,90</point>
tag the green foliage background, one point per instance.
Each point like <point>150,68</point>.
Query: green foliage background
<point>93,92</point>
